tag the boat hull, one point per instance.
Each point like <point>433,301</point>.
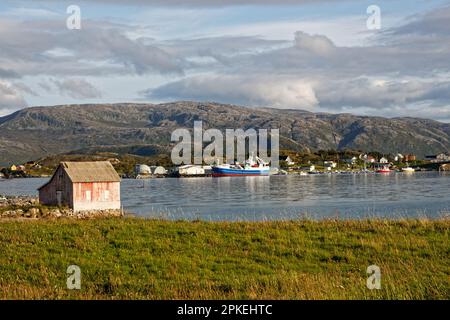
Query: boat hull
<point>230,172</point>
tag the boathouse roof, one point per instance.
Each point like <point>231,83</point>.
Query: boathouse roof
<point>91,171</point>
<point>87,171</point>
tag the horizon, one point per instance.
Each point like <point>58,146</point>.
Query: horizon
<point>293,54</point>
<point>215,103</point>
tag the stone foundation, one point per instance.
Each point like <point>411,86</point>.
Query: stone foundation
<point>29,208</point>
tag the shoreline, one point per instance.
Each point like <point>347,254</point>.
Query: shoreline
<point>27,208</point>
<point>287,173</point>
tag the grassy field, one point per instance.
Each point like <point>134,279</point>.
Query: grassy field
<point>132,258</point>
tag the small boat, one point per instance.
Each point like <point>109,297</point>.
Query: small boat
<point>408,169</point>
<point>254,166</point>
<point>384,169</point>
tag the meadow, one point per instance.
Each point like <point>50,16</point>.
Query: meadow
<point>132,258</point>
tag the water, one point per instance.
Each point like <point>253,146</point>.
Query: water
<point>279,197</point>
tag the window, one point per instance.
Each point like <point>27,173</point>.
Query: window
<point>88,195</point>
<point>106,195</point>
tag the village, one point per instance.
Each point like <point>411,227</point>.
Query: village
<point>86,189</point>
<point>321,162</point>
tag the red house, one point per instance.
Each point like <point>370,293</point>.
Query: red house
<point>83,186</point>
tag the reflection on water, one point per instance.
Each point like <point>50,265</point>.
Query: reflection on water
<point>279,197</point>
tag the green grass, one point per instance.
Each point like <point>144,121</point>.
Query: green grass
<point>133,258</point>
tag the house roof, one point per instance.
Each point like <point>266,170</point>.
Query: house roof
<point>92,171</point>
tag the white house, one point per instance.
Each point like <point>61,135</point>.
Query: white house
<point>398,157</point>
<point>438,158</point>
<point>384,160</point>
<point>329,164</point>
<point>289,161</point>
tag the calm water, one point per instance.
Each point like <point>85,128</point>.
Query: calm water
<point>279,197</point>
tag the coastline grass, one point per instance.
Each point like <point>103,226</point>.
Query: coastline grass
<point>133,258</point>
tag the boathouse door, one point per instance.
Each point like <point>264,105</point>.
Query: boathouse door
<point>59,198</point>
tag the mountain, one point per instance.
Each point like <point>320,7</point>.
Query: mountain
<point>146,129</point>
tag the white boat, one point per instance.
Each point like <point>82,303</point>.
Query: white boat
<point>408,168</point>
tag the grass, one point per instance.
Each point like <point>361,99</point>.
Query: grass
<point>133,258</point>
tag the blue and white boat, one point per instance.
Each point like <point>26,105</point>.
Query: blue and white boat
<point>254,166</point>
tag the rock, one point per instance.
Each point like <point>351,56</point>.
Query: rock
<point>34,212</point>
<point>47,212</point>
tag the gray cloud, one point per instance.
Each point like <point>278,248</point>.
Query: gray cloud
<point>48,48</point>
<point>10,98</point>
<point>380,94</point>
<point>435,22</point>
<point>399,70</point>
<point>203,3</point>
<point>77,89</point>
<point>8,74</point>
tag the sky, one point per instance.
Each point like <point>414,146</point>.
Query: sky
<point>319,55</point>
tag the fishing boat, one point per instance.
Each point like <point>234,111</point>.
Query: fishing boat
<point>254,166</point>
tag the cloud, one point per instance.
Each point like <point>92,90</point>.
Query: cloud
<point>399,70</point>
<point>435,22</point>
<point>318,44</point>
<point>382,94</point>
<point>46,47</point>
<point>29,12</point>
<point>205,3</point>
<point>10,98</point>
<point>77,89</point>
<point>244,90</point>
<point>8,73</point>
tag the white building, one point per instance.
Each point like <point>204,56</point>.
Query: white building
<point>398,157</point>
<point>442,157</point>
<point>329,164</point>
<point>191,170</point>
<point>289,161</point>
<point>159,171</point>
<point>351,160</point>
<point>384,160</point>
<point>142,169</point>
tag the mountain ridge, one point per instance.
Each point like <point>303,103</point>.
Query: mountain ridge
<point>40,131</point>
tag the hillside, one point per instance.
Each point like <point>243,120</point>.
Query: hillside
<point>145,129</point>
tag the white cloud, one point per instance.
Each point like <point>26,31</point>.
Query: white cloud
<point>328,64</point>
<point>246,90</point>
